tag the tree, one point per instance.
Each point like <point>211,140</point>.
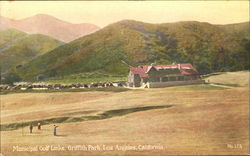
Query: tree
<point>10,78</point>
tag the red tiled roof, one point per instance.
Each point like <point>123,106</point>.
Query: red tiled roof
<point>141,71</point>
<point>185,69</point>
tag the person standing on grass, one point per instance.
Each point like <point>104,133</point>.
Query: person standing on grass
<point>55,130</point>
<point>39,126</point>
<point>31,128</point>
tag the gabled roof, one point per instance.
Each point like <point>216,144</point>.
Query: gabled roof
<point>185,69</point>
<point>141,71</point>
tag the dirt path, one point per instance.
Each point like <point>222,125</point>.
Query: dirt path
<point>220,85</point>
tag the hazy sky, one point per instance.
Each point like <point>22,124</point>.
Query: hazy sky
<point>102,13</point>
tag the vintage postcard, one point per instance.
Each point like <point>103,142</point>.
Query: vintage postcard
<point>124,78</point>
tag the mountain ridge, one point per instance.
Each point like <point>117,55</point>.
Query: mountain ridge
<point>50,26</point>
<point>208,47</point>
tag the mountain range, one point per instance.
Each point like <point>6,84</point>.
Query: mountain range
<point>49,26</point>
<point>116,47</point>
<point>17,48</point>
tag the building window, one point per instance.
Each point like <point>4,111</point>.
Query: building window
<point>155,79</point>
<point>187,78</point>
<point>172,78</point>
<point>181,78</point>
<point>164,79</point>
<point>195,77</point>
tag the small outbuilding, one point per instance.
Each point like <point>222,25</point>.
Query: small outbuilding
<point>157,76</point>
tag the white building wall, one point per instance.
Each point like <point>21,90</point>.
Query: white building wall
<point>174,83</point>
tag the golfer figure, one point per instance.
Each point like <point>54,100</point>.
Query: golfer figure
<point>39,126</point>
<point>55,130</point>
<point>31,128</point>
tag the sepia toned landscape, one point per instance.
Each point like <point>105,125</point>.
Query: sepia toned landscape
<point>124,78</point>
<point>199,119</point>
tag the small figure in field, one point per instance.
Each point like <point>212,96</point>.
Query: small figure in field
<point>39,126</point>
<point>31,128</point>
<point>55,130</point>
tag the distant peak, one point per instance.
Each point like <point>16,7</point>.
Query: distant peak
<point>42,15</point>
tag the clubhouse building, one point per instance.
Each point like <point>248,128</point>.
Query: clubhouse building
<point>157,76</point>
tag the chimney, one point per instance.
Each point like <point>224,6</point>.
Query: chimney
<point>179,66</point>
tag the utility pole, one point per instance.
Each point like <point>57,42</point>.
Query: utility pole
<point>126,63</point>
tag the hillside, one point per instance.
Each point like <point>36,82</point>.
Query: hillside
<point>8,37</point>
<point>208,47</point>
<point>240,29</point>
<point>18,48</point>
<point>50,26</point>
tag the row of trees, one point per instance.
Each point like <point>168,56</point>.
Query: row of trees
<point>205,57</point>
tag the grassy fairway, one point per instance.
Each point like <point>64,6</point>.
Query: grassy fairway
<point>196,87</point>
<point>240,78</point>
<point>88,77</point>
<point>202,119</point>
<point>101,116</point>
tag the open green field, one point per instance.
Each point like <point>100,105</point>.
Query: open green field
<point>240,78</point>
<point>184,120</point>
<point>87,78</point>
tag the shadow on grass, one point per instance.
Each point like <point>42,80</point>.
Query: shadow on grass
<point>60,135</point>
<point>105,115</point>
<point>81,112</point>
